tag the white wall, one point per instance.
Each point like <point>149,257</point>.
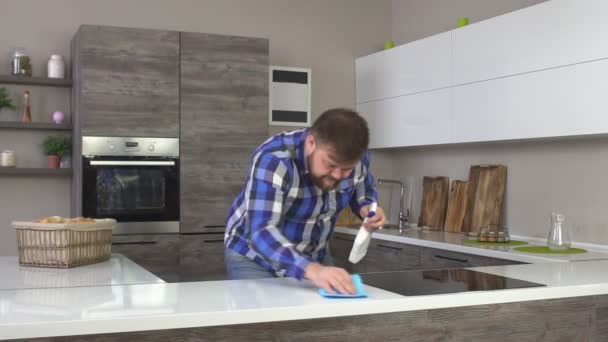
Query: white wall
<point>323,35</point>
<point>543,176</point>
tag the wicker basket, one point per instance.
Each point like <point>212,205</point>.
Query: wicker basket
<point>63,245</point>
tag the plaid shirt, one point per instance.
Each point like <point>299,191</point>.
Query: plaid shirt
<point>280,219</point>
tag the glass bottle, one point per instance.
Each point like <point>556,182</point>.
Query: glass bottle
<point>559,235</point>
<point>26,116</point>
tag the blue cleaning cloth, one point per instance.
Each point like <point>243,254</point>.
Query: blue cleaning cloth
<point>358,286</point>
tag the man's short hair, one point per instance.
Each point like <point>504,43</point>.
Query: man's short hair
<point>344,130</point>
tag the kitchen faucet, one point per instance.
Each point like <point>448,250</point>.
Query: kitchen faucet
<point>402,217</point>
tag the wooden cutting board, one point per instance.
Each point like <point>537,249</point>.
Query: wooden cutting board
<point>457,206</point>
<point>485,197</point>
<point>434,202</point>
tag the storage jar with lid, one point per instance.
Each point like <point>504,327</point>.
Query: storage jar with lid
<point>56,67</point>
<point>8,158</point>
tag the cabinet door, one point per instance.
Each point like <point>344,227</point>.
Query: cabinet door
<point>157,253</point>
<point>224,117</point>
<point>411,120</point>
<point>551,34</point>
<point>432,258</point>
<point>128,81</point>
<point>202,257</point>
<point>419,66</point>
<point>384,256</point>
<point>340,246</point>
<point>565,101</point>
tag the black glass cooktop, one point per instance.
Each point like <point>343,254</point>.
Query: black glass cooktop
<point>417,283</point>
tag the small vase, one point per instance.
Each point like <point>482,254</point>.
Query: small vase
<point>54,161</point>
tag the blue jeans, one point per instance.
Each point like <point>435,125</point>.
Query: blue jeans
<point>241,267</point>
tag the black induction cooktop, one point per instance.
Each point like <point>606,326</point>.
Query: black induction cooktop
<point>418,283</point>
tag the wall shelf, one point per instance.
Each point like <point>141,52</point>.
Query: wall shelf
<point>23,171</point>
<point>36,81</point>
<point>35,125</point>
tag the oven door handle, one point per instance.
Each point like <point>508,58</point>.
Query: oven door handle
<point>132,162</point>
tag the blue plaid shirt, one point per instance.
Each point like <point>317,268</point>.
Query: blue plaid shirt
<point>280,219</point>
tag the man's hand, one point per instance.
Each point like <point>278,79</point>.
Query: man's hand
<point>332,279</point>
<point>373,223</point>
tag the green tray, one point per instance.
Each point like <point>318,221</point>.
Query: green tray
<point>546,250</point>
<point>510,243</point>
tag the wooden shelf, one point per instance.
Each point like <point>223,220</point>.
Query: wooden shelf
<point>36,125</point>
<point>23,171</point>
<point>36,81</point>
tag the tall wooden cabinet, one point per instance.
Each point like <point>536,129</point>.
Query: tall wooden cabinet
<point>224,117</point>
<point>128,81</point>
<point>209,90</point>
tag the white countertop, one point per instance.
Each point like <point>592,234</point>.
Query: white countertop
<point>454,242</point>
<point>28,313</point>
<point>118,270</point>
<point>121,308</point>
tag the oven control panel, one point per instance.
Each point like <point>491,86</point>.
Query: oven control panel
<point>130,146</point>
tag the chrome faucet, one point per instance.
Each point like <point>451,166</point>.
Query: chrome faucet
<point>402,216</point>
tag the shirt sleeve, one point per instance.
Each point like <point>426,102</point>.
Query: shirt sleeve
<point>268,186</point>
<point>365,189</point>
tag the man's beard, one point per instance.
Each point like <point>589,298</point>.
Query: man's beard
<point>325,183</point>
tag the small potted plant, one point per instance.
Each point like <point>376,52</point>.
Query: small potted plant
<point>54,148</point>
<point>5,100</point>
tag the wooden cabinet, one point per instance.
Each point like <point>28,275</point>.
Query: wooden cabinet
<point>175,257</point>
<point>432,258</point>
<point>202,257</point>
<point>127,81</point>
<point>340,246</point>
<point>530,40</point>
<point>381,255</point>
<point>224,117</point>
<point>407,69</point>
<point>386,256</point>
<point>411,120</point>
<point>157,253</point>
<point>566,101</point>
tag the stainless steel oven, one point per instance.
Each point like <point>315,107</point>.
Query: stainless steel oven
<point>133,180</point>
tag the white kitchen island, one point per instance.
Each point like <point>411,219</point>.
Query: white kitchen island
<point>118,270</point>
<point>218,305</point>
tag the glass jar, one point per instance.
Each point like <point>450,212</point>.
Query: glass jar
<point>21,64</point>
<point>8,158</point>
<point>500,237</point>
<point>492,237</point>
<point>483,236</point>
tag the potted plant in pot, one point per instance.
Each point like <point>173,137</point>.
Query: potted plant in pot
<point>54,147</point>
<point>5,100</point>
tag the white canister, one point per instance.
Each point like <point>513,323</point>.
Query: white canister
<point>8,158</point>
<point>56,67</point>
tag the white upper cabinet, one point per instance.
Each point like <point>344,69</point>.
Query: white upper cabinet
<point>411,68</point>
<point>547,35</point>
<point>409,120</point>
<point>565,101</point>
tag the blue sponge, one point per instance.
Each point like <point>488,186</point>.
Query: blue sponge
<point>358,286</point>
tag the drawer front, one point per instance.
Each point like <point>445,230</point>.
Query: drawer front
<point>391,256</point>
<point>148,249</point>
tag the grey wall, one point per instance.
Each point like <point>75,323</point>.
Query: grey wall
<point>322,35</point>
<point>564,175</point>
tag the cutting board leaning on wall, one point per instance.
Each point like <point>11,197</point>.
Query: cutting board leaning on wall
<point>485,197</point>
